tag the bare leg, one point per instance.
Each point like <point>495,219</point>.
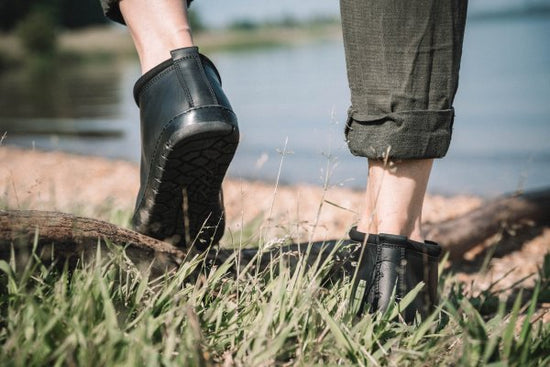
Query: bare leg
<point>394,197</point>
<point>157,27</point>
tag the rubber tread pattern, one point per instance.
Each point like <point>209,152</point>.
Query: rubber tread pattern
<point>185,205</point>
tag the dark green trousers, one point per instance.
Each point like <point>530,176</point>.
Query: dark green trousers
<point>112,11</point>
<point>402,58</point>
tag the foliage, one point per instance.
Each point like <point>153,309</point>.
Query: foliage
<point>37,33</point>
<point>244,24</point>
<point>110,313</point>
<point>65,13</point>
<point>79,14</point>
<point>285,22</point>
<point>195,21</point>
<point>6,61</point>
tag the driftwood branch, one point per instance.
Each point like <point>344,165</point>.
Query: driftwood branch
<point>69,238</point>
<point>73,238</point>
<point>459,235</point>
<point>64,237</point>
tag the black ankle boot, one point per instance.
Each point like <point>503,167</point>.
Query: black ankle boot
<point>394,262</point>
<point>189,135</point>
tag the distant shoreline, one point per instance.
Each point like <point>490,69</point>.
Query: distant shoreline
<point>113,41</point>
<point>534,10</point>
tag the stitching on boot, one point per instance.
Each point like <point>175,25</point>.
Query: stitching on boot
<point>401,271</point>
<point>377,276</point>
<point>154,79</point>
<point>206,80</point>
<point>367,290</point>
<point>183,84</point>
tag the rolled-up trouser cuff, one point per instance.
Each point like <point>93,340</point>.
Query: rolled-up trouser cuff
<point>111,9</point>
<point>400,135</point>
<point>403,59</point>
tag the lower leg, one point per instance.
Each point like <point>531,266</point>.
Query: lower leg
<point>157,27</point>
<point>394,197</point>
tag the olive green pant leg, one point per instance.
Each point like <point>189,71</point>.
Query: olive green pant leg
<point>402,59</point>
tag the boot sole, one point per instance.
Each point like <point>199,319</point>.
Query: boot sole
<point>182,202</point>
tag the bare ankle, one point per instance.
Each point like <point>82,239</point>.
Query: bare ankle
<point>159,53</point>
<point>412,230</point>
<point>367,225</point>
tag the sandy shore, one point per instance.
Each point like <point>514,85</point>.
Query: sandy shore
<point>91,186</point>
<point>100,188</point>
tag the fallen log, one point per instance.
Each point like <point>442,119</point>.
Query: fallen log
<point>62,237</point>
<point>66,237</point>
<point>461,234</point>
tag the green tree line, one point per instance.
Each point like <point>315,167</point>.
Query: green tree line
<point>69,14</point>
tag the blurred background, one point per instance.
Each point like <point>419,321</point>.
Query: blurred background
<point>66,79</point>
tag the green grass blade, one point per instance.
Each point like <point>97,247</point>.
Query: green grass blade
<point>508,336</point>
<point>339,336</point>
<point>524,337</point>
<point>406,301</point>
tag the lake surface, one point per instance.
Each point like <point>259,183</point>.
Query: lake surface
<point>292,102</point>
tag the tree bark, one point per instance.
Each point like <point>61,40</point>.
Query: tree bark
<point>63,237</point>
<point>459,235</point>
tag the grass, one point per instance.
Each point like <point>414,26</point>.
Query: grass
<point>106,312</point>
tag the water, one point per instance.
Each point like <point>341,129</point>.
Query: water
<point>292,103</point>
<point>217,13</point>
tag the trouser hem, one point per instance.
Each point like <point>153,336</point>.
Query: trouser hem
<point>111,9</point>
<point>400,135</point>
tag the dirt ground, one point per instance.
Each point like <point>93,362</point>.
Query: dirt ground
<point>92,186</point>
